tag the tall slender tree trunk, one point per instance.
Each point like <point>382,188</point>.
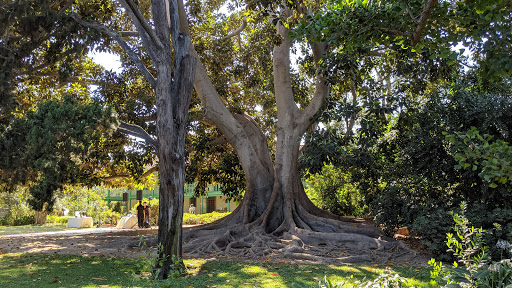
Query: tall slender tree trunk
<point>173,100</point>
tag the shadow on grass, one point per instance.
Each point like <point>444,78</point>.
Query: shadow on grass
<point>53,270</point>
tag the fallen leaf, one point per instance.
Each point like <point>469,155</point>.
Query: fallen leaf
<point>103,286</point>
<point>210,275</point>
<point>254,273</point>
<point>282,261</point>
<point>94,278</point>
<point>190,287</point>
<point>389,264</point>
<point>315,278</point>
<point>268,259</point>
<point>375,265</point>
<point>228,281</point>
<point>56,281</point>
<point>274,274</point>
<point>307,274</point>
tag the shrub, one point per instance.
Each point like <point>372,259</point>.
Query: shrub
<point>193,219</point>
<point>477,270</point>
<point>432,228</point>
<point>18,220</point>
<point>110,216</point>
<point>333,190</point>
<point>56,219</point>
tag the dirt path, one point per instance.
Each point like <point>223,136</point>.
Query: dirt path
<point>90,242</point>
<point>120,243</point>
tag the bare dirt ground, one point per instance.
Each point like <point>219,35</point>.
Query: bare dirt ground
<point>131,243</point>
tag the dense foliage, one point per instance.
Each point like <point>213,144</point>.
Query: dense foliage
<point>419,126</point>
<point>59,143</point>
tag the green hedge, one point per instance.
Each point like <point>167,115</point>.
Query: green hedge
<point>193,219</point>
<point>55,219</point>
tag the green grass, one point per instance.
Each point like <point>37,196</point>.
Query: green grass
<point>52,270</point>
<point>9,230</point>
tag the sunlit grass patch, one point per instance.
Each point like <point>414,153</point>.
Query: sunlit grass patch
<point>10,230</point>
<point>53,270</point>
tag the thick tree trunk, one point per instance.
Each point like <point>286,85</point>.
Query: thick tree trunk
<point>276,217</point>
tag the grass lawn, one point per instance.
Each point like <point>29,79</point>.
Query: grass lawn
<point>52,270</point>
<point>7,230</point>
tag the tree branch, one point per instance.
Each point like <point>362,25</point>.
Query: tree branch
<point>321,87</point>
<point>113,177</point>
<point>415,19</point>
<point>137,131</point>
<point>131,54</point>
<point>425,15</point>
<point>237,31</point>
<point>68,4</point>
<point>140,22</point>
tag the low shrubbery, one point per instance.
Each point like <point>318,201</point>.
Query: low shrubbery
<point>474,267</point>
<point>194,219</point>
<point>17,220</point>
<point>56,219</point>
<point>333,190</point>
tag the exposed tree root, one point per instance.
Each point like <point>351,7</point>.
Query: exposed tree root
<point>347,243</point>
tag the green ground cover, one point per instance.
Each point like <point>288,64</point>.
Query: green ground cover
<point>52,270</point>
<point>9,230</point>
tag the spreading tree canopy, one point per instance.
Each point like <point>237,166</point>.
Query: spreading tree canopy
<point>250,96</point>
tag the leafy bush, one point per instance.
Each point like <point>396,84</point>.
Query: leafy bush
<point>432,225</point>
<point>193,219</point>
<point>468,247</point>
<point>109,216</point>
<point>18,220</point>
<point>432,228</point>
<point>56,219</point>
<point>333,190</point>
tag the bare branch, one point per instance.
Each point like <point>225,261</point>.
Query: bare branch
<point>149,171</point>
<point>113,177</point>
<point>321,87</point>
<point>137,131</point>
<point>140,22</point>
<point>237,31</point>
<point>131,54</point>
<point>425,15</point>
